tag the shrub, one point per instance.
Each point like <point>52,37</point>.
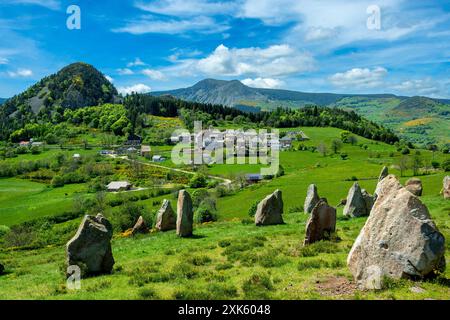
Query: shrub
<point>198,181</point>
<point>205,213</point>
<point>446,165</point>
<point>57,181</point>
<point>253,208</point>
<point>435,164</point>
<point>148,294</point>
<point>405,151</point>
<point>199,260</point>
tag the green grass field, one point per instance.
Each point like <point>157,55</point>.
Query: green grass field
<point>231,258</point>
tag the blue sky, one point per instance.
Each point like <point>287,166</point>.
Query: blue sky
<point>315,46</point>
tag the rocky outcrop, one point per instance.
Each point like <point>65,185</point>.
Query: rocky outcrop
<point>383,174</point>
<point>90,248</point>
<point>399,239</point>
<point>321,224</point>
<point>166,219</point>
<point>185,215</point>
<point>270,210</point>
<point>140,226</point>
<point>446,189</point>
<point>356,205</point>
<point>414,185</point>
<point>312,198</point>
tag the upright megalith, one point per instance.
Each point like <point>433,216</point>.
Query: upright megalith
<point>321,224</point>
<point>446,189</point>
<point>166,219</point>
<point>140,226</point>
<point>368,199</point>
<point>185,214</point>
<point>312,198</point>
<point>399,239</point>
<point>270,210</point>
<point>90,248</point>
<point>355,205</point>
<point>414,185</point>
<point>383,174</point>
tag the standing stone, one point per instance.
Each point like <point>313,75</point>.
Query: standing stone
<point>399,239</point>
<point>90,248</point>
<point>383,174</point>
<point>355,206</point>
<point>321,224</point>
<point>368,199</point>
<point>312,198</point>
<point>270,210</point>
<point>185,215</point>
<point>166,219</point>
<point>414,185</point>
<point>446,190</point>
<point>140,226</point>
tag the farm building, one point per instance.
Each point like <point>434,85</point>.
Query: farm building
<point>158,158</point>
<point>117,186</point>
<point>253,178</point>
<point>145,151</point>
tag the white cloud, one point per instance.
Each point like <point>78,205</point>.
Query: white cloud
<point>359,78</point>
<point>201,24</point>
<point>416,87</point>
<point>265,83</point>
<point>4,61</point>
<point>23,73</point>
<point>276,60</point>
<point>109,78</point>
<point>125,72</point>
<point>188,8</point>
<point>137,88</point>
<point>50,4</point>
<point>154,74</point>
<point>135,63</point>
<point>318,33</point>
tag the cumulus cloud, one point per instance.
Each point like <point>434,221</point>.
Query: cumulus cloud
<point>153,74</point>
<point>276,60</point>
<point>22,73</point>
<point>135,63</point>
<point>319,33</point>
<point>416,87</point>
<point>265,83</point>
<point>125,72</point>
<point>359,78</point>
<point>137,88</point>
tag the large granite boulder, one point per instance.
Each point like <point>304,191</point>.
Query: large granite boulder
<point>185,214</point>
<point>312,198</point>
<point>90,248</point>
<point>270,210</point>
<point>368,199</point>
<point>399,239</point>
<point>414,185</point>
<point>446,190</point>
<point>166,219</point>
<point>321,224</point>
<point>140,226</point>
<point>356,205</point>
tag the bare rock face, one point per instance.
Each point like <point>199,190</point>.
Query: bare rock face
<point>312,198</point>
<point>383,174</point>
<point>368,199</point>
<point>321,224</point>
<point>185,214</point>
<point>140,226</point>
<point>166,219</point>
<point>399,239</point>
<point>90,248</point>
<point>414,185</point>
<point>270,210</point>
<point>446,190</point>
<point>356,205</point>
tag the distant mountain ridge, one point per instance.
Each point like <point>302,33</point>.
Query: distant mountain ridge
<point>387,109</point>
<point>2,100</point>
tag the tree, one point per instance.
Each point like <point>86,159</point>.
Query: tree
<point>403,165</point>
<point>336,145</point>
<point>416,164</point>
<point>322,148</point>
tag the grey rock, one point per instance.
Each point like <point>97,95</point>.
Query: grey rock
<point>312,198</point>
<point>166,219</point>
<point>446,190</point>
<point>414,185</point>
<point>185,215</point>
<point>90,248</point>
<point>399,239</point>
<point>356,205</point>
<point>368,199</point>
<point>321,224</point>
<point>140,226</point>
<point>383,174</point>
<point>270,210</point>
